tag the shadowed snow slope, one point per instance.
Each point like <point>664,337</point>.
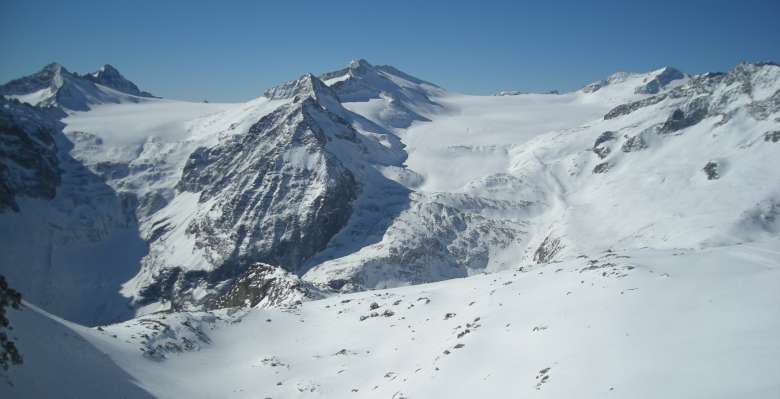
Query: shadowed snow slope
<point>60,361</point>
<point>639,324</point>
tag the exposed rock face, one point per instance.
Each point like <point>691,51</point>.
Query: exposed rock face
<point>266,285</point>
<point>634,143</point>
<point>37,81</point>
<point>251,183</point>
<point>651,83</point>
<point>28,154</point>
<point>625,109</point>
<point>695,112</point>
<point>772,136</point>
<point>599,146</point>
<point>61,206</point>
<point>710,95</point>
<point>660,80</point>
<point>109,76</point>
<point>276,194</point>
<point>602,168</point>
<point>548,249</point>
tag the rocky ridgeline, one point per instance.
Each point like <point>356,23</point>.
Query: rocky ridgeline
<point>56,87</point>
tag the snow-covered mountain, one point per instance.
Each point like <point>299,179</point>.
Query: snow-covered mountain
<point>368,178</point>
<point>55,86</point>
<point>109,76</point>
<point>119,206</point>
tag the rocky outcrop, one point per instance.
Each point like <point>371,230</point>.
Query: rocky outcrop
<point>773,136</point>
<point>625,109</point>
<point>547,250</point>
<point>599,147</point>
<point>650,83</point>
<point>267,286</point>
<point>28,154</point>
<point>659,80</point>
<point>602,168</point>
<point>694,112</point>
<point>712,170</point>
<point>634,144</point>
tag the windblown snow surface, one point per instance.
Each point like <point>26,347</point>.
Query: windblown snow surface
<point>642,324</point>
<point>616,241</point>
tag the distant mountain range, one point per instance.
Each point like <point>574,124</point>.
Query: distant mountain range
<point>364,178</point>
<point>175,218</point>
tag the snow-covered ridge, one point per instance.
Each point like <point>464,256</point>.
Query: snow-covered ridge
<point>109,76</point>
<point>389,97</point>
<point>55,86</point>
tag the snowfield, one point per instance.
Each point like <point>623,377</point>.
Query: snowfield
<point>641,324</point>
<point>367,234</point>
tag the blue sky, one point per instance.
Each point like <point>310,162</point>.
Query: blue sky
<point>233,50</point>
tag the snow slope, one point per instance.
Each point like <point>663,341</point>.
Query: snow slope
<point>61,361</point>
<point>641,323</point>
<point>471,209</point>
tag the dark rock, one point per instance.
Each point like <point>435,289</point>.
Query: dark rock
<point>666,76</point>
<point>602,167</point>
<point>109,76</point>
<point>712,170</point>
<point>547,249</point>
<point>252,186</point>
<point>604,137</point>
<point>634,143</point>
<point>270,284</point>
<point>598,146</point>
<point>29,165</point>
<point>694,113</point>
<point>772,136</point>
<point>625,109</point>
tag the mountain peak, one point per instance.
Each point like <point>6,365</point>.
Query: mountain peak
<point>307,85</point>
<point>53,67</point>
<point>107,69</point>
<point>359,64</point>
<point>645,83</point>
<point>659,79</point>
<point>109,76</point>
<point>53,85</point>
